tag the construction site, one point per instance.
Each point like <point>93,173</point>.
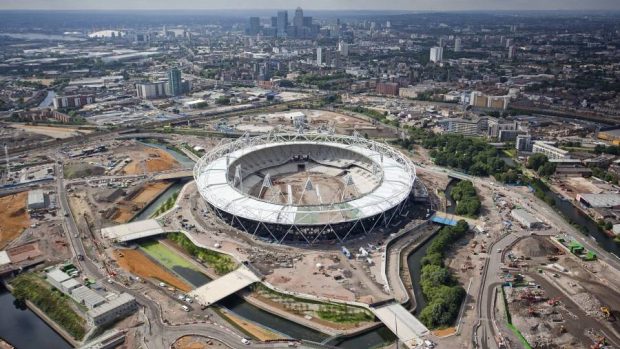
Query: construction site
<point>557,296</point>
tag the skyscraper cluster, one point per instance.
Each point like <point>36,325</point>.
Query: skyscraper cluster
<point>300,27</point>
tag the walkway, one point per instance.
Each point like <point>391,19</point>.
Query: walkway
<point>132,231</point>
<point>223,287</point>
<point>402,323</point>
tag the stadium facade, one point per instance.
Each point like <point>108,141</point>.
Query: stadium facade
<point>245,183</point>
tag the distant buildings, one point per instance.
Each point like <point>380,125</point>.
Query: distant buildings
<point>320,56</point>
<point>457,45</point>
<point>524,143</point>
<point>481,100</point>
<point>387,88</point>
<point>436,54</point>
<point>549,150</point>
<point>512,51</point>
<point>73,102</point>
<point>302,26</point>
<point>254,26</point>
<point>174,82</point>
<point>151,90</point>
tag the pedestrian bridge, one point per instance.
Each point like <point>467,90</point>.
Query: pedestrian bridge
<point>133,231</point>
<point>223,287</point>
<point>174,175</point>
<point>402,323</point>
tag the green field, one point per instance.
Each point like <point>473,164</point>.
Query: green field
<point>166,256</point>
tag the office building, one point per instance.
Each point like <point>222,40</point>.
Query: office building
<point>254,26</point>
<point>436,54</point>
<point>151,90</point>
<point>550,150</point>
<point>524,143</point>
<point>117,308</point>
<point>387,88</point>
<point>343,48</point>
<point>320,56</point>
<point>298,20</point>
<point>174,82</point>
<point>282,24</point>
<point>73,102</point>
<point>457,45</point>
<point>497,126</point>
<point>512,52</point>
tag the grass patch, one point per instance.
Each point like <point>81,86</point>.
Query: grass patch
<point>166,256</point>
<point>333,312</point>
<point>220,262</point>
<point>53,303</point>
<point>168,204</point>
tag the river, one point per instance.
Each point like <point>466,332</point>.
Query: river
<point>584,223</point>
<point>24,329</point>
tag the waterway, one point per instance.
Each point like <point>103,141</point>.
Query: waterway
<point>185,161</point>
<point>49,98</point>
<point>584,223</point>
<point>154,205</point>
<point>24,329</point>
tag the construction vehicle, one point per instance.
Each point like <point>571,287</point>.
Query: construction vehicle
<point>601,343</point>
<point>607,313</point>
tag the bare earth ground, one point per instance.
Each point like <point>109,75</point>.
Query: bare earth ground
<point>257,331</point>
<point>127,209</point>
<point>137,263</point>
<point>13,217</point>
<point>148,159</point>
<point>196,342</point>
<point>54,132</point>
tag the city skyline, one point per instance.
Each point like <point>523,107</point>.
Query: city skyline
<point>399,5</point>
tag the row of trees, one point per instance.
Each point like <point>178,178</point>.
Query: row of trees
<point>540,163</point>
<point>467,154</point>
<point>221,263</point>
<point>53,303</point>
<point>467,201</point>
<point>612,149</point>
<point>440,289</point>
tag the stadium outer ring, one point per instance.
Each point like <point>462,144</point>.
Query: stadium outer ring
<point>271,220</point>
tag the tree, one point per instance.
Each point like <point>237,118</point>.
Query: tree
<point>535,161</point>
<point>547,169</point>
<point>223,100</point>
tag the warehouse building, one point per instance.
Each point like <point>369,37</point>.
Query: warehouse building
<point>37,200</point>
<point>56,278</point>
<point>525,218</point>
<point>88,297</point>
<point>117,308</point>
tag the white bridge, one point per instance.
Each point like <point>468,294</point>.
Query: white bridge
<point>223,287</point>
<point>402,323</point>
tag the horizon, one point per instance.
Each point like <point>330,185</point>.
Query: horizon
<point>407,6</point>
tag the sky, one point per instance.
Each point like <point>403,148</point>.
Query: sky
<point>404,5</point>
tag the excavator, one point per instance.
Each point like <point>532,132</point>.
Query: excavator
<point>607,313</point>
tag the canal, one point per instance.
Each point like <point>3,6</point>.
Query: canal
<point>152,207</point>
<point>185,161</point>
<point>583,222</point>
<point>24,329</point>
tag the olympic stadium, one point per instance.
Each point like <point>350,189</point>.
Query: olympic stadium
<point>305,187</point>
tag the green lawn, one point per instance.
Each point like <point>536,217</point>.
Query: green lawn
<point>166,256</point>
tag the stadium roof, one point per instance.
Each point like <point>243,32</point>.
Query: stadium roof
<point>394,188</point>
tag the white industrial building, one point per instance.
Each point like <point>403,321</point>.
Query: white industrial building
<point>56,277</point>
<point>37,200</point>
<point>88,297</point>
<point>524,218</point>
<point>116,308</point>
<point>549,150</point>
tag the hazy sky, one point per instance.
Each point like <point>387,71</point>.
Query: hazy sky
<point>409,5</point>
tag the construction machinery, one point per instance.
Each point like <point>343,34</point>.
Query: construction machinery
<point>607,313</point>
